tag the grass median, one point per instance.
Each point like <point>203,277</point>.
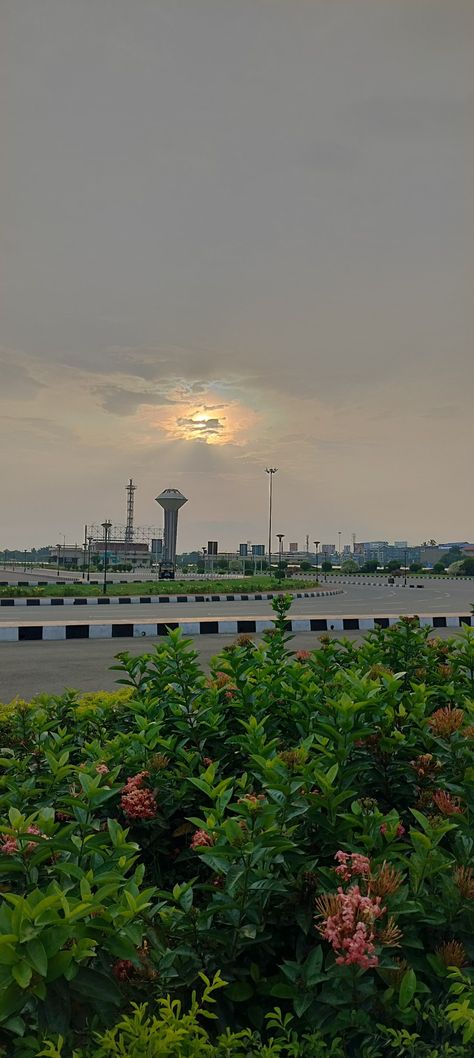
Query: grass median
<point>239,586</point>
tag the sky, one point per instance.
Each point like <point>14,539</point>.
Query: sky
<point>237,234</point>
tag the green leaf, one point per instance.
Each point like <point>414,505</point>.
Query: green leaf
<point>407,989</point>
<point>11,999</point>
<point>97,987</point>
<point>312,967</point>
<point>37,957</point>
<point>22,973</point>
<point>240,991</point>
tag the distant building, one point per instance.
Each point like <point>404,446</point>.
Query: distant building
<point>243,550</point>
<point>293,547</point>
<point>258,549</point>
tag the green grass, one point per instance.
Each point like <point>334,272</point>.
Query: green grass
<point>242,585</point>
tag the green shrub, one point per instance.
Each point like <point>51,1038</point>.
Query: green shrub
<point>299,822</point>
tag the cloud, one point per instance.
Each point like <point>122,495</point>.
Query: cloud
<point>121,401</point>
<point>33,429</point>
<point>16,381</point>
<point>201,427</point>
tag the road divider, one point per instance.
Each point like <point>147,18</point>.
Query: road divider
<point>54,630</point>
<point>107,600</point>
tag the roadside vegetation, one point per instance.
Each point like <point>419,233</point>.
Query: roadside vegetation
<point>272,860</point>
<point>239,586</point>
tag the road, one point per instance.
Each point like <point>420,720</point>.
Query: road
<point>30,668</point>
<point>442,597</point>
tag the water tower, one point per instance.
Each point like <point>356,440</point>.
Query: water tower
<point>171,500</point>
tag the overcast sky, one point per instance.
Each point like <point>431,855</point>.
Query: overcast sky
<point>237,234</point>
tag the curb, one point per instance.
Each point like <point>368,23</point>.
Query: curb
<point>106,600</point>
<point>195,626</point>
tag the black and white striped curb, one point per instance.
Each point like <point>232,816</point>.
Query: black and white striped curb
<point>105,600</point>
<point>10,633</point>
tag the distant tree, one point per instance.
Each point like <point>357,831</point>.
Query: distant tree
<point>439,567</point>
<point>221,564</point>
<point>349,566</point>
<point>200,567</point>
<point>326,566</point>
<point>456,567</point>
<point>370,567</point>
<point>416,567</point>
<point>392,565</point>
<point>305,565</point>
<point>453,555</point>
<point>468,567</point>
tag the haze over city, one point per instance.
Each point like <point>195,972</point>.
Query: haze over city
<point>237,235</point>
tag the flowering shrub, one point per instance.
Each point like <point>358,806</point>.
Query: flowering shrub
<point>302,825</point>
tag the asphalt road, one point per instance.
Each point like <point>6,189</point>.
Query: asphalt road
<point>442,597</point>
<point>30,668</point>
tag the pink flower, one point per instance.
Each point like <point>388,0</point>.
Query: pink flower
<point>400,831</point>
<point>200,839</point>
<point>302,655</point>
<point>10,845</point>
<point>350,928</point>
<point>350,864</point>
<point>138,804</point>
<point>383,828</point>
<point>101,769</point>
<point>134,782</point>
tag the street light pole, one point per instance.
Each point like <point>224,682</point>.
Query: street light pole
<point>270,471</point>
<point>89,546</point>
<point>59,559</point>
<point>339,535</point>
<point>280,554</point>
<point>107,525</point>
<point>316,545</point>
<point>405,564</point>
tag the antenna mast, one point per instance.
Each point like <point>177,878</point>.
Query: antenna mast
<point>130,490</point>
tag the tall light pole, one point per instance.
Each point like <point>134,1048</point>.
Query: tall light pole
<point>316,547</point>
<point>281,537</point>
<point>339,535</point>
<point>405,563</point>
<point>59,559</point>
<point>84,557</point>
<point>89,546</point>
<point>270,471</point>
<point>107,525</point>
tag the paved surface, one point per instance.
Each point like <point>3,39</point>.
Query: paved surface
<point>27,669</point>
<point>435,597</point>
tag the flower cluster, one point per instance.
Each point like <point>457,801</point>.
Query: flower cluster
<point>351,863</point>
<point>102,769</point>
<point>452,953</point>
<point>447,805</point>
<point>444,722</point>
<point>138,802</point>
<point>399,829</point>
<point>464,880</point>
<point>350,927</point>
<point>302,656</point>
<point>425,765</point>
<point>10,845</point>
<point>200,839</point>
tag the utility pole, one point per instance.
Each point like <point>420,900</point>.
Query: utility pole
<point>281,537</point>
<point>270,471</point>
<point>107,525</point>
